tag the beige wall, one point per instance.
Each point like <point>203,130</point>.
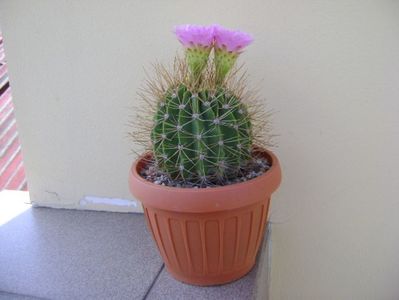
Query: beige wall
<point>329,68</point>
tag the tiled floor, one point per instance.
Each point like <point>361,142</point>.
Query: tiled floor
<point>11,296</point>
<point>165,287</point>
<point>68,254</point>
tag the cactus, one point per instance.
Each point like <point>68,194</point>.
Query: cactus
<point>201,136</point>
<point>204,121</point>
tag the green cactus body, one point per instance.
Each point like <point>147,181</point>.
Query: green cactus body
<point>203,136</point>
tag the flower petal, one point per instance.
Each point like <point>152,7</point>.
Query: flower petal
<point>231,40</point>
<point>195,35</point>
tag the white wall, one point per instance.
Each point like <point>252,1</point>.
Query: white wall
<point>330,69</point>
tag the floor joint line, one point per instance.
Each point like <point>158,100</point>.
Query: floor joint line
<point>153,282</point>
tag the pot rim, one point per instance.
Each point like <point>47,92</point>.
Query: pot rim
<point>205,199</point>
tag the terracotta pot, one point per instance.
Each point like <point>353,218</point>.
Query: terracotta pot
<point>207,236</point>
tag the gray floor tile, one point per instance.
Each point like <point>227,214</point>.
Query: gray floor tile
<point>9,296</point>
<point>69,254</point>
<point>167,288</point>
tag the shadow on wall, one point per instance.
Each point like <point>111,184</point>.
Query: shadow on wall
<point>12,172</point>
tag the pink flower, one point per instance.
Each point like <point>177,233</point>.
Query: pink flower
<point>231,40</point>
<point>195,35</point>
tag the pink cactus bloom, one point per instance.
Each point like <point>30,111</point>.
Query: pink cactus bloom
<point>231,40</point>
<point>195,35</point>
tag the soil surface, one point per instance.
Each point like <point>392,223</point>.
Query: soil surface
<point>256,167</point>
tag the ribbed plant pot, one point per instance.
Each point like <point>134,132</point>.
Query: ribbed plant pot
<point>207,236</point>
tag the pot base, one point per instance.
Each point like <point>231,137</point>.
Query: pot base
<point>212,280</point>
<point>209,248</point>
